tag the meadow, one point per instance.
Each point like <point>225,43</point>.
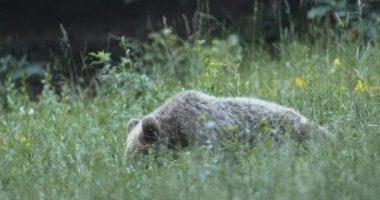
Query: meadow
<point>70,145</point>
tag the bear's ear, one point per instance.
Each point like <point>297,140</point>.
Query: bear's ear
<point>132,123</point>
<point>150,128</point>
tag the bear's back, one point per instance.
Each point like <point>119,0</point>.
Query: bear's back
<point>203,117</point>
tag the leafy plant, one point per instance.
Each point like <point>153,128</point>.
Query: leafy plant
<point>359,18</point>
<point>19,68</point>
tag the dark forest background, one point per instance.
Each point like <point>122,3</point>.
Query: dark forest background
<point>34,33</point>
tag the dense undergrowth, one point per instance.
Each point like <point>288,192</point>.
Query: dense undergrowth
<point>70,145</point>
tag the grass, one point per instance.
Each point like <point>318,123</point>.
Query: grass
<point>70,146</point>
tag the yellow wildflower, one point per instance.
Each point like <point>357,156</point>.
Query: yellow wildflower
<point>201,118</point>
<point>337,62</point>
<point>360,87</point>
<point>24,140</point>
<point>299,82</point>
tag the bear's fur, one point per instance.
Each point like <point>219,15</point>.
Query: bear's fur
<point>194,117</point>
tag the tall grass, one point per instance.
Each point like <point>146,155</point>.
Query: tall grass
<point>70,146</point>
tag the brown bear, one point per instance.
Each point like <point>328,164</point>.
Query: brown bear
<point>192,117</point>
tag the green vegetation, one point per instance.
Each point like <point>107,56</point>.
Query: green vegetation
<point>70,145</point>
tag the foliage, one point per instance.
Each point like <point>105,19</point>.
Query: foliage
<point>324,8</point>
<point>360,18</point>
<point>70,146</point>
<point>14,70</point>
<point>19,68</point>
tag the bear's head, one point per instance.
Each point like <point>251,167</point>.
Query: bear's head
<point>141,135</point>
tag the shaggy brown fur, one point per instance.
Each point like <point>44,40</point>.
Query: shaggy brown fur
<point>194,117</point>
